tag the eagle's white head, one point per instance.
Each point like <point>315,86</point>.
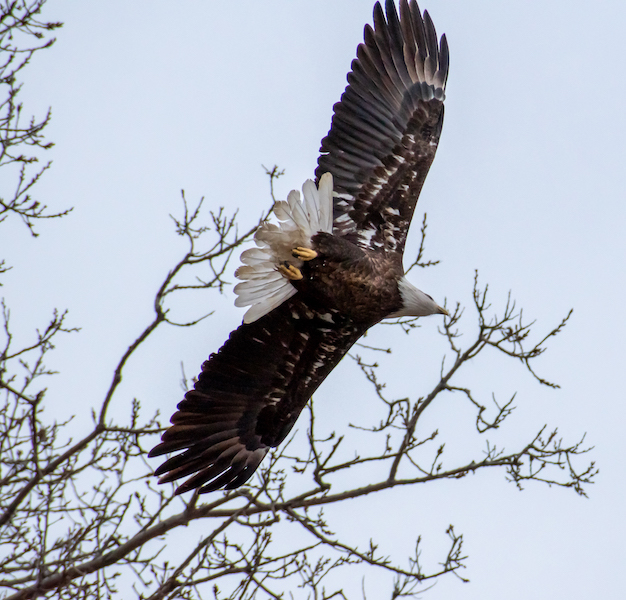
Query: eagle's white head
<point>415,303</point>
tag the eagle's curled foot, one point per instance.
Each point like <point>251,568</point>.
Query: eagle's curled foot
<point>304,253</point>
<point>289,271</point>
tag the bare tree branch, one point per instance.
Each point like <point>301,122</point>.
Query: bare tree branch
<point>22,34</point>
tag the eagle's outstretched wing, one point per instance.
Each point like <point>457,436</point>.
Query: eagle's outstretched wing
<point>250,393</point>
<point>386,128</point>
<point>382,141</point>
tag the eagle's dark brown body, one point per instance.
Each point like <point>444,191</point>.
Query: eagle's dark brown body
<point>359,284</point>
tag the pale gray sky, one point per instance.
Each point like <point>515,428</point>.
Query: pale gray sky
<point>527,187</point>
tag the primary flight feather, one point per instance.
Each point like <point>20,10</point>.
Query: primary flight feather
<point>331,267</point>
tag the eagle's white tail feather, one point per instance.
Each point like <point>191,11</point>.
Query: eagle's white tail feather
<point>251,285</point>
<point>255,272</point>
<point>299,220</point>
<point>256,311</point>
<point>298,214</point>
<point>326,208</point>
<point>252,295</point>
<point>313,209</point>
<point>253,256</point>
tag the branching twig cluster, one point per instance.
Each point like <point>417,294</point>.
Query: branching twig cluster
<point>22,34</point>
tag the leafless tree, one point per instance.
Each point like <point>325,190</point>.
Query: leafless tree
<point>81,516</point>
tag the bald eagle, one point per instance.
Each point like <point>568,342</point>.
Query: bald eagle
<point>332,266</point>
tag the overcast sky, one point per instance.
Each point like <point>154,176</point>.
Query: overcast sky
<point>149,98</point>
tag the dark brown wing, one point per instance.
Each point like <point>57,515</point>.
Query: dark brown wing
<point>249,395</point>
<point>385,130</point>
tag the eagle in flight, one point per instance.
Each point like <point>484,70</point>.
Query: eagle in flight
<point>332,266</point>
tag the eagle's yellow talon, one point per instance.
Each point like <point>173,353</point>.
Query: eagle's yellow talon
<point>290,272</point>
<point>304,253</point>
